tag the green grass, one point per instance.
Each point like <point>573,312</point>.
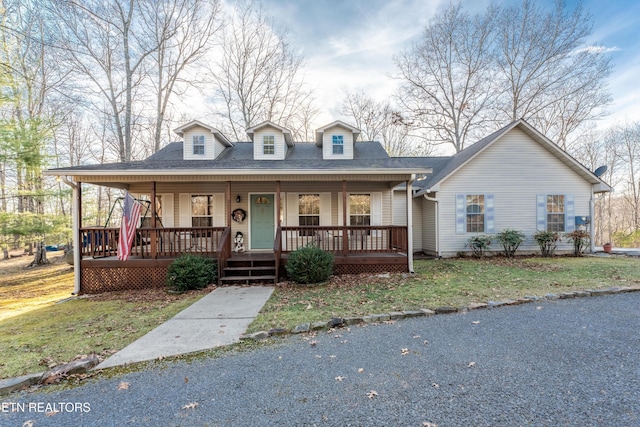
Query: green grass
<point>56,334</point>
<point>454,282</point>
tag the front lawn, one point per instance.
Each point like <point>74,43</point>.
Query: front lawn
<point>455,282</point>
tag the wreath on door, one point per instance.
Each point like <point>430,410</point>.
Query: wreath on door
<point>239,215</point>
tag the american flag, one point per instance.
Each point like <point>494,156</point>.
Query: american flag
<point>130,219</point>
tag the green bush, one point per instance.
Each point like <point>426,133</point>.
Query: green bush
<point>548,241</point>
<point>580,240</point>
<point>510,240</point>
<point>190,271</point>
<point>309,264</point>
<point>479,244</point>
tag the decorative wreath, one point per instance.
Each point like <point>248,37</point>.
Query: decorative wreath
<point>239,215</point>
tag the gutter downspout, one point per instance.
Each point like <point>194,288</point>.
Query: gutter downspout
<point>591,221</point>
<point>77,249</point>
<point>410,222</point>
<point>437,219</point>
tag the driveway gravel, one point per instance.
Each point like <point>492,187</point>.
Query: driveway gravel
<point>571,362</point>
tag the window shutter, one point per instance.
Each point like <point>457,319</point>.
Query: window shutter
<point>460,214</point>
<point>376,208</point>
<point>185,210</point>
<point>541,212</point>
<point>325,209</point>
<point>292,210</point>
<point>488,214</point>
<point>218,210</point>
<point>569,214</point>
<point>167,210</point>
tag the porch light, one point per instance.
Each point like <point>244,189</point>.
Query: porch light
<point>238,198</point>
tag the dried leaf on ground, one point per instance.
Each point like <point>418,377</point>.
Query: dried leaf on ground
<point>372,394</point>
<point>404,351</point>
<point>191,405</point>
<point>339,378</point>
<point>123,386</point>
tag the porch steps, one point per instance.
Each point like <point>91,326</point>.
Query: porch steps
<point>247,269</point>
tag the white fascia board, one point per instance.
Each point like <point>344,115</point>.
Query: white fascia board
<point>214,172</point>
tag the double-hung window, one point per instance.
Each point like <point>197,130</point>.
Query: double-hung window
<point>308,212</point>
<point>268,144</point>
<point>198,144</point>
<point>202,210</point>
<point>474,213</point>
<point>360,209</point>
<point>338,144</point>
<point>556,212</point>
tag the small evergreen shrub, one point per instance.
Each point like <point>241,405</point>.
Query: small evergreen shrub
<point>190,271</point>
<point>309,264</point>
<point>548,241</point>
<point>510,240</point>
<point>479,244</point>
<point>580,240</point>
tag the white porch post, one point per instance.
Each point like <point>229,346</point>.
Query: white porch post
<point>410,223</point>
<point>76,223</point>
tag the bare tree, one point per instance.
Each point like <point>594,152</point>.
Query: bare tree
<point>628,137</point>
<point>180,34</point>
<point>107,49</point>
<point>259,75</point>
<point>551,78</point>
<point>448,89</point>
<point>379,121</point>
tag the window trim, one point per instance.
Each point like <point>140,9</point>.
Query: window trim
<point>337,143</point>
<point>210,208</point>
<point>461,213</point>
<point>268,144</point>
<point>542,213</point>
<point>196,143</point>
<point>305,215</point>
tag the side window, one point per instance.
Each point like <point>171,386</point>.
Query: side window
<point>475,213</point>
<point>198,144</point>
<point>555,212</point>
<point>338,144</point>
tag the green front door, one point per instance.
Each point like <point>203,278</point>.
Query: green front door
<point>262,221</point>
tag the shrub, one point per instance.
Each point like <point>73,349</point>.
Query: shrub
<point>309,264</point>
<point>548,241</point>
<point>580,240</point>
<point>190,271</point>
<point>479,244</point>
<point>510,240</point>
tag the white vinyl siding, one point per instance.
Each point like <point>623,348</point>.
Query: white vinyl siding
<point>279,145</point>
<point>515,169</point>
<point>327,143</point>
<point>198,133</point>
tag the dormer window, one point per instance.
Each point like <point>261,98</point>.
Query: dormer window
<point>198,144</point>
<point>338,144</point>
<point>268,144</point>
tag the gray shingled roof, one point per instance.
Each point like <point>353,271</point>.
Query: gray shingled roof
<point>303,156</point>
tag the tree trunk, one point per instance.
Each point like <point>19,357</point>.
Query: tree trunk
<point>40,257</point>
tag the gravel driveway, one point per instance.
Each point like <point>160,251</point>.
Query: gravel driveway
<point>548,363</point>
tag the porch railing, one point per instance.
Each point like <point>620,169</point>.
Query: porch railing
<point>344,240</point>
<point>100,242</point>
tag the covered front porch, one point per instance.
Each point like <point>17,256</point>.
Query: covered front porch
<point>356,249</point>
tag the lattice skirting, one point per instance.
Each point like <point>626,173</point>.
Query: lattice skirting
<point>104,279</point>
<point>369,268</point>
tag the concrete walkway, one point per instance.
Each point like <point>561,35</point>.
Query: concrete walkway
<point>215,320</point>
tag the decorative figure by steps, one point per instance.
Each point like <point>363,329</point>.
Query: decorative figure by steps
<point>239,242</point>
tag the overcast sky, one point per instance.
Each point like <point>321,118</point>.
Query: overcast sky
<point>349,44</point>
